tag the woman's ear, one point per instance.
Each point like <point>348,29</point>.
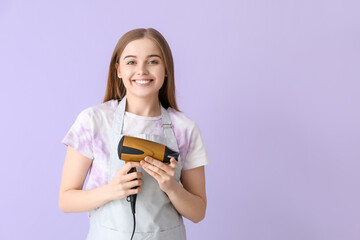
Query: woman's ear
<point>118,70</point>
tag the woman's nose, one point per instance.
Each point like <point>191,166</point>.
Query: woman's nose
<point>142,69</point>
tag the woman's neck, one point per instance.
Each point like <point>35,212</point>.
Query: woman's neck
<point>146,107</point>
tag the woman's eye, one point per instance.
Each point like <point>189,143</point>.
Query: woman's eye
<point>151,62</point>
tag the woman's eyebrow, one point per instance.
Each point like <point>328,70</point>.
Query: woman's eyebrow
<point>152,55</point>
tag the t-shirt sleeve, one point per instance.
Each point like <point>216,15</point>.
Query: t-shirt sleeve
<point>196,155</point>
<point>80,135</point>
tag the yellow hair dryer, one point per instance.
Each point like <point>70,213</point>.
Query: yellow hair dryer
<point>132,149</point>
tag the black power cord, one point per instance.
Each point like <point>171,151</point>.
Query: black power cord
<point>133,229</point>
<point>132,200</point>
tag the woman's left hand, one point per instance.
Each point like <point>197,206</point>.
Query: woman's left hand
<point>163,173</point>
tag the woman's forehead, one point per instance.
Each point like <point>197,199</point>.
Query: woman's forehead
<point>142,48</point>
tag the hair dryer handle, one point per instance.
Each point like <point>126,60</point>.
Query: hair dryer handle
<point>132,198</point>
<point>132,170</point>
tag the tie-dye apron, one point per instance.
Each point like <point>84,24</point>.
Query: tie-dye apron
<point>156,217</point>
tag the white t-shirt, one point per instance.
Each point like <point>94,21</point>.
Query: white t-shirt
<point>91,136</point>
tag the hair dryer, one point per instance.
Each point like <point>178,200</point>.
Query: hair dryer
<point>132,149</point>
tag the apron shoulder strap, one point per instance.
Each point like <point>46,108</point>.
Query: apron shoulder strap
<point>168,129</point>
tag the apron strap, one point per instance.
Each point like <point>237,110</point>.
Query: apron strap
<point>168,129</point>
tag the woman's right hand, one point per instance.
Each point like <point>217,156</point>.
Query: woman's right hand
<point>122,183</point>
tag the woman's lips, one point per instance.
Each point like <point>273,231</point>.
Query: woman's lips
<point>143,82</point>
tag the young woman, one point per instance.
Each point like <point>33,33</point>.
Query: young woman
<point>139,101</point>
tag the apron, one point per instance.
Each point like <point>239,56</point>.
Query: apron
<point>156,217</point>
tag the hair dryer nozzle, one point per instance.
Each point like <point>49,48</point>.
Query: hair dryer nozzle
<point>170,154</point>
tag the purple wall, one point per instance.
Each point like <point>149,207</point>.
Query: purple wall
<point>273,85</point>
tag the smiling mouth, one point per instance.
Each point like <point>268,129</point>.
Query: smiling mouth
<point>142,81</point>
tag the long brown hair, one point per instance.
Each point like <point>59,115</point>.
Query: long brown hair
<point>115,88</point>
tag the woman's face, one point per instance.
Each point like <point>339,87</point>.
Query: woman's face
<point>142,68</point>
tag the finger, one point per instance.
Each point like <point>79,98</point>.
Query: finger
<point>131,176</point>
<point>134,183</point>
<point>149,171</point>
<point>133,191</point>
<point>126,168</point>
<point>153,168</point>
<point>173,163</point>
<point>157,163</point>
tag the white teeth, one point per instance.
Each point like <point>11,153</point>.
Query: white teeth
<point>142,81</point>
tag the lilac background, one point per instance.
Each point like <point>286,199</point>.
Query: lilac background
<point>273,85</point>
